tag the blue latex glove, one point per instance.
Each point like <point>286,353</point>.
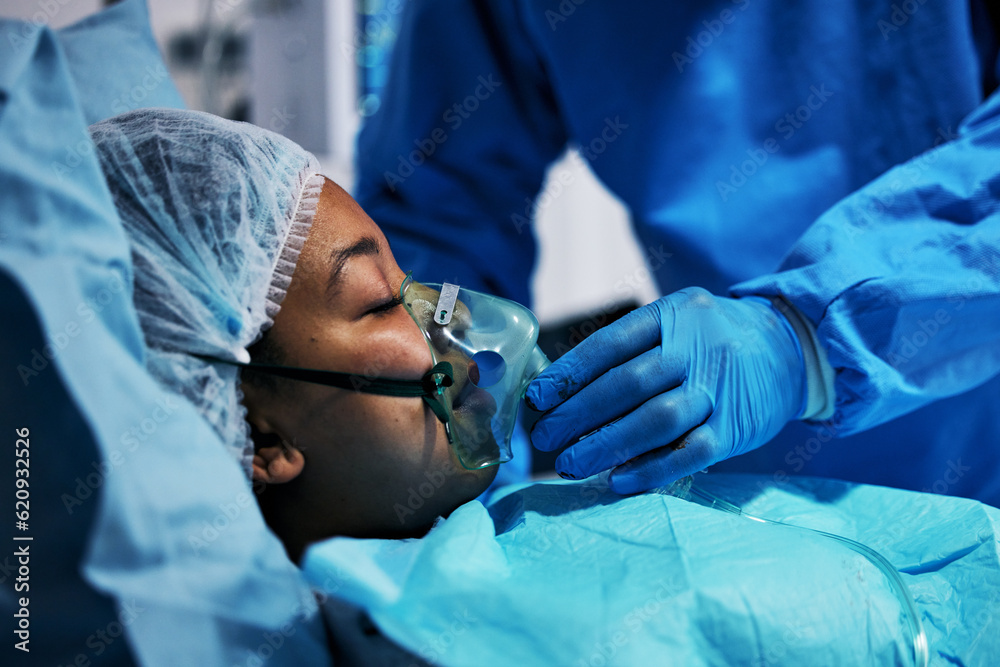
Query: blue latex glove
<point>691,379</point>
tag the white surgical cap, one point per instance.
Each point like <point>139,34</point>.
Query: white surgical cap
<point>216,212</point>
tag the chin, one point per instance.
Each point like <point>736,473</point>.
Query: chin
<point>460,489</point>
<point>478,481</point>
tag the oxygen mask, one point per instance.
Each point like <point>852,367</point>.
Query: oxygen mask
<point>491,346</point>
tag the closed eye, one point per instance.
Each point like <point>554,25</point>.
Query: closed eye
<point>385,307</point>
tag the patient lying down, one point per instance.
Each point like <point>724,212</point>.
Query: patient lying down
<point>341,462</point>
<point>239,243</point>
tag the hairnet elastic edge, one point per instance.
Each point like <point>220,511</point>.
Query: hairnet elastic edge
<point>298,231</point>
<point>281,276</point>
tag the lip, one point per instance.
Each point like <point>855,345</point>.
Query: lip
<point>473,399</point>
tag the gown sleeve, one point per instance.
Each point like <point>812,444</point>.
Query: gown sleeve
<point>902,279</point>
<point>451,172</point>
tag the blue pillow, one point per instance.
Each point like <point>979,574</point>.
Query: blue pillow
<point>116,64</point>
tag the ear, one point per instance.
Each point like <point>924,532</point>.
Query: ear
<point>274,460</point>
<point>277,464</point>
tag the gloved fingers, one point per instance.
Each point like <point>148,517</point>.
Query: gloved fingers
<point>657,422</point>
<point>694,452</point>
<point>617,392</point>
<point>606,348</point>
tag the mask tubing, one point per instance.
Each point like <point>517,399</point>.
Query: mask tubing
<point>688,491</point>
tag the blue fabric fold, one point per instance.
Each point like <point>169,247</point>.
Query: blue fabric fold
<point>572,574</point>
<point>155,516</point>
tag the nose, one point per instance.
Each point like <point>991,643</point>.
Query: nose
<point>486,368</point>
<point>483,368</point>
<point>449,338</point>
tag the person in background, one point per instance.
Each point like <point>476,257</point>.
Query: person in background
<point>825,177</point>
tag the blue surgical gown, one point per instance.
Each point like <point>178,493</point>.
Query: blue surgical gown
<point>844,155</point>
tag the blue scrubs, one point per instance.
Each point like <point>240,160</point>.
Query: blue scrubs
<point>844,156</point>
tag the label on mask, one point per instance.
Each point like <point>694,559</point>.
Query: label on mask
<point>446,303</point>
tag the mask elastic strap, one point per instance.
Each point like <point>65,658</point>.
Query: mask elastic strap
<point>435,380</point>
<point>431,386</point>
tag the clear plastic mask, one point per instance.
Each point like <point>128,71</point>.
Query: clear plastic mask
<point>491,344</point>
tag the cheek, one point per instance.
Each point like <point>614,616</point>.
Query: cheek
<point>386,436</point>
<point>394,349</point>
<point>393,456</point>
<point>399,428</point>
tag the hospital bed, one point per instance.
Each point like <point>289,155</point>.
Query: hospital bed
<point>142,542</point>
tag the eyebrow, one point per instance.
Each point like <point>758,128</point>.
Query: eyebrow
<point>366,245</point>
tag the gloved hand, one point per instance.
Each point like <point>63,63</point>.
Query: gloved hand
<point>686,381</point>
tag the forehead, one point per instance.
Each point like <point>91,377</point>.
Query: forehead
<point>338,223</point>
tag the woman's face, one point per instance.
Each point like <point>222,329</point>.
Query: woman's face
<point>374,465</point>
